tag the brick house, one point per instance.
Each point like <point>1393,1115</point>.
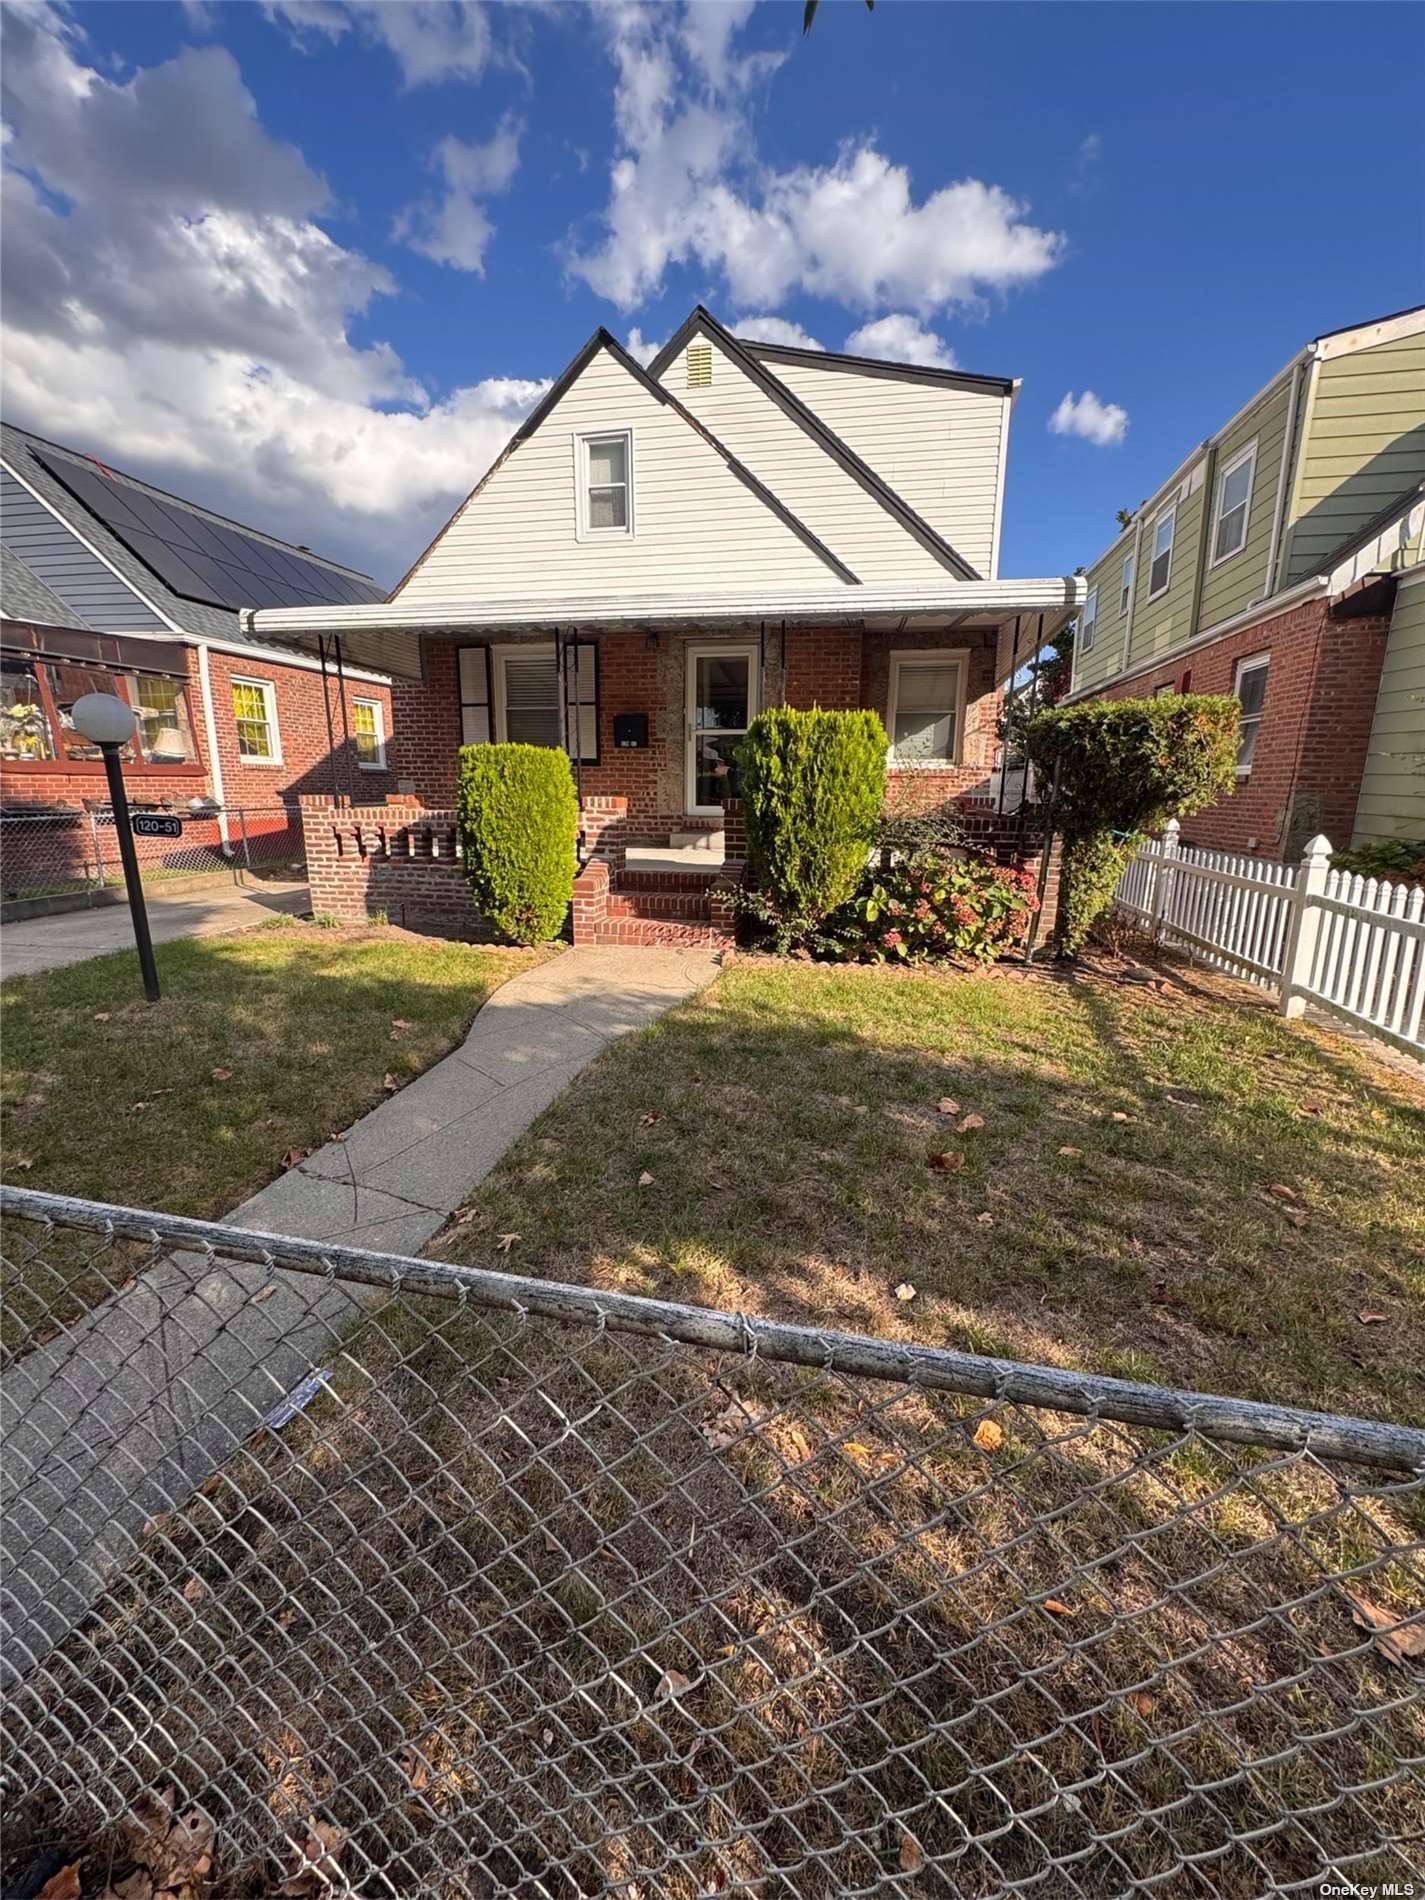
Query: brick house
<point>1281,561</point>
<point>660,553</point>
<point>108,584</point>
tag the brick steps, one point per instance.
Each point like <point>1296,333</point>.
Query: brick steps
<point>673,933</point>
<point>682,877</point>
<point>687,906</point>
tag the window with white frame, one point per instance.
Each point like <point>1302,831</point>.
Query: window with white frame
<point>1250,686</point>
<point>1234,501</point>
<point>1125,592</point>
<point>605,470</point>
<point>926,714</point>
<point>368,734</point>
<point>255,716</point>
<point>517,694</point>
<point>1161,572</point>
<point>1088,622</point>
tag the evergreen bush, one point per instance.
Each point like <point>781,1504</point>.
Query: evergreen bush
<point>518,815</point>
<point>812,788</point>
<point>1122,768</point>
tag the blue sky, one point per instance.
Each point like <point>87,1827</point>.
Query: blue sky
<point>310,261</point>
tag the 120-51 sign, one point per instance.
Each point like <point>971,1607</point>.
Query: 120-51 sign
<point>153,824</point>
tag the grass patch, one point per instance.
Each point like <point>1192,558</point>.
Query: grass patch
<point>788,1114</point>
<point>265,1042</point>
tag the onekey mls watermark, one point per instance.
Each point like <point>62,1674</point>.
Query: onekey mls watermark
<point>1371,1890</point>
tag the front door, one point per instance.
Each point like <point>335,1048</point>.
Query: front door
<point>722,703</point>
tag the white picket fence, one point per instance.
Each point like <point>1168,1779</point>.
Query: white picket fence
<point>1355,945</point>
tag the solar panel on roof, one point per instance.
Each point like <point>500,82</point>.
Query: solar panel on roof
<point>214,562</point>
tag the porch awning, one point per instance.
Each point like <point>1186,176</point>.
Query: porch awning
<point>386,636</point>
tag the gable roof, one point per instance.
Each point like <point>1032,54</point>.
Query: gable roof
<point>47,469</point>
<point>24,596</point>
<point>602,339</point>
<point>879,366</point>
<point>880,491</point>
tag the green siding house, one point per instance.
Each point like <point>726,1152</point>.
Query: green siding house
<point>1275,561</point>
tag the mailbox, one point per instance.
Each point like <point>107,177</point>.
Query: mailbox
<point>630,731</point>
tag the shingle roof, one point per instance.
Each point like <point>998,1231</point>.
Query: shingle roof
<point>23,452</point>
<point>24,596</point>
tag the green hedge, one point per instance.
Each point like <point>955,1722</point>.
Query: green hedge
<point>812,787</point>
<point>518,815</point>
<point>1122,768</point>
<point>1394,858</point>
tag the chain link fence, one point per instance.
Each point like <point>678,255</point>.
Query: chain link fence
<point>75,854</point>
<point>333,1572</point>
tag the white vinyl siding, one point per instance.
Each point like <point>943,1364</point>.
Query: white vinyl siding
<point>1392,800</point>
<point>937,445</point>
<point>803,476</point>
<point>516,539</point>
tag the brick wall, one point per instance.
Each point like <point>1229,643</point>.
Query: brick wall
<point>1322,682</point>
<point>824,669</point>
<point>390,858</point>
<point>920,787</point>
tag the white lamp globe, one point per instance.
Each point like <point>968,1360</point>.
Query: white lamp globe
<point>103,719</point>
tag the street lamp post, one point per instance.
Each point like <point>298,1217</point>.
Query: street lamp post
<point>106,721</point>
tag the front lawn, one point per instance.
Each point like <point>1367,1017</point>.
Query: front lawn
<point>1168,1184</point>
<point>264,1043</point>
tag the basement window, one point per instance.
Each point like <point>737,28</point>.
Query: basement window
<point>1250,686</point>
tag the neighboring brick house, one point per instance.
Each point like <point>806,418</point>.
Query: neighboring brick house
<point>660,553</point>
<point>109,584</point>
<point>1279,562</point>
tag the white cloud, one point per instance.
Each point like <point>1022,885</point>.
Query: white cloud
<point>643,349</point>
<point>172,304</point>
<point>901,339</point>
<point>686,189</point>
<point>1102,422</point>
<point>1086,161</point>
<point>775,330</point>
<point>430,40</point>
<point>455,228</point>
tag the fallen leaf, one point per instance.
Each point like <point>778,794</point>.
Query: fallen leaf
<point>103,1015</point>
<point>221,1075</point>
<point>62,1886</point>
<point>905,1291</point>
<point>139,1107</point>
<point>1399,1646</point>
<point>313,1866</point>
<point>967,1122</point>
<point>1368,1318</point>
<point>1141,1703</point>
<point>264,1293</point>
<point>860,1108</point>
<point>399,1022</point>
<point>986,1219</point>
<point>1119,1116</point>
<point>414,1768</point>
<point>950,1162</point>
<point>988,1435</point>
<point>389,1083</point>
<point>645,1179</point>
<point>673,1683</point>
<point>552,1545</point>
<point>295,1155</point>
<point>730,1423</point>
<point>547,1737</point>
<point>503,1242</point>
<point>947,1107</point>
<point>194,1590</point>
<point>23,1162</point>
<point>1282,1191</point>
<point>1056,1608</point>
<point>911,1857</point>
<point>135,1886</point>
<point>1067,1149</point>
<point>647,1121</point>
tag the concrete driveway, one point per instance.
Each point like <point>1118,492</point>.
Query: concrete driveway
<point>45,943</point>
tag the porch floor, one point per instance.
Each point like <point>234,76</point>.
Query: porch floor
<point>689,857</point>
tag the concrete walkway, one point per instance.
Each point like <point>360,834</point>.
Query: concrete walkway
<point>45,943</point>
<point>123,1415</point>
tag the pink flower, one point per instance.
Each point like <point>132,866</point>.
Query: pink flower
<point>922,909</point>
<point>892,937</point>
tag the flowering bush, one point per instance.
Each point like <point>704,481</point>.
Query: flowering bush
<point>929,905</point>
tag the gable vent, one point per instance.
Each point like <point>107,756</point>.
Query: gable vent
<point>699,365</point>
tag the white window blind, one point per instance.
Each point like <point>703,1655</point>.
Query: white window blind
<point>531,694</point>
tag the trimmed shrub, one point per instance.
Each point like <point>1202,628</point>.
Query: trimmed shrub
<point>518,815</point>
<point>1402,860</point>
<point>1123,768</point>
<point>928,906</point>
<point>812,788</point>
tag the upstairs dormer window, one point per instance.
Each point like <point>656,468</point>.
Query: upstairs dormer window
<point>605,466</point>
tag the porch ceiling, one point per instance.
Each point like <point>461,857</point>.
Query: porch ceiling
<point>387,636</point>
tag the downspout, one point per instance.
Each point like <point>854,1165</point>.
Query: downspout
<point>1288,444</point>
<point>210,735</point>
<point>1125,666</point>
<point>1204,542</point>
